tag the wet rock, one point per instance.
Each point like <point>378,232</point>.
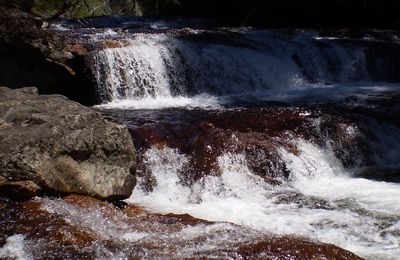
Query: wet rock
<point>18,189</point>
<point>52,144</point>
<point>204,136</point>
<point>52,233</point>
<point>26,45</point>
<point>290,248</point>
<point>114,44</point>
<point>82,227</point>
<point>260,134</point>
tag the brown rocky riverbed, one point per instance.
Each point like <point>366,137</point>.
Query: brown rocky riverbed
<point>85,228</point>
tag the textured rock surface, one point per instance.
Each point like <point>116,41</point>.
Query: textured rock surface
<point>31,55</point>
<point>77,9</point>
<point>63,147</point>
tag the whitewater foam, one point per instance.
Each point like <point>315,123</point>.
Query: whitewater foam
<point>203,101</point>
<point>15,248</point>
<point>321,201</point>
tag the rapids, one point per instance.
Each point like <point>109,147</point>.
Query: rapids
<point>219,165</point>
<point>276,132</point>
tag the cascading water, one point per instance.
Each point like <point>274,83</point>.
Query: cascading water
<point>174,68</point>
<point>314,195</point>
<point>320,200</point>
<point>282,133</point>
<point>317,196</point>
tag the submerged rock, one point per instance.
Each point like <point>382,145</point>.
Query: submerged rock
<point>81,227</point>
<point>52,144</point>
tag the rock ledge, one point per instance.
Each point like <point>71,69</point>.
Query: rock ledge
<point>52,144</point>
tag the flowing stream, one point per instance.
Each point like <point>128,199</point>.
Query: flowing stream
<point>279,132</point>
<point>231,69</point>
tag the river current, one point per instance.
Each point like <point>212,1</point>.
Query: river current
<point>278,132</point>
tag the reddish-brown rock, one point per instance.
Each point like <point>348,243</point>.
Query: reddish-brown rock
<point>83,227</point>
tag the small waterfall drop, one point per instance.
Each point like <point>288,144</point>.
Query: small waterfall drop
<point>188,63</point>
<point>135,71</point>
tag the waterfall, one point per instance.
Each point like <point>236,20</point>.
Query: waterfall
<point>217,63</point>
<point>135,71</point>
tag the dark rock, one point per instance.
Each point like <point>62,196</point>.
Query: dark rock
<point>33,56</point>
<point>62,147</point>
<point>18,189</point>
<point>291,248</point>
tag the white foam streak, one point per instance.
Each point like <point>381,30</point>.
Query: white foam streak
<point>201,101</point>
<point>168,162</point>
<point>319,173</point>
<point>93,220</point>
<point>134,236</point>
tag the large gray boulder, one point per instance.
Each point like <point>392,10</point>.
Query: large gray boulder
<point>52,144</point>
